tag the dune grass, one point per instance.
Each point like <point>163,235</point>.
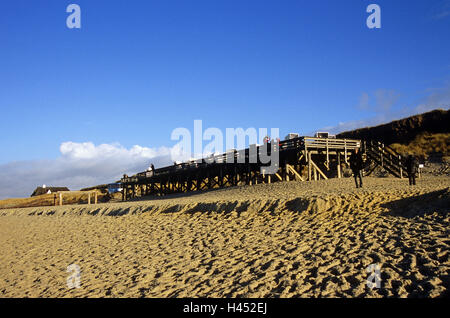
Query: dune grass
<point>425,144</point>
<point>49,200</point>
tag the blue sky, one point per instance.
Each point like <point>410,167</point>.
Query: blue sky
<point>136,70</point>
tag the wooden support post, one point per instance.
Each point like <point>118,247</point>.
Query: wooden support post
<point>345,153</point>
<point>309,166</point>
<point>338,164</point>
<point>96,198</point>
<point>286,171</point>
<point>60,199</point>
<point>295,173</point>
<point>318,170</point>
<point>89,198</point>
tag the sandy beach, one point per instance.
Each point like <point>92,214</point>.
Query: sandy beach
<point>289,239</point>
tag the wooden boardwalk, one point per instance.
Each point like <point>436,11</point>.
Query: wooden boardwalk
<point>302,158</point>
<point>381,155</point>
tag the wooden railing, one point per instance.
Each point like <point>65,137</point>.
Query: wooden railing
<point>331,143</point>
<point>250,155</point>
<point>385,157</point>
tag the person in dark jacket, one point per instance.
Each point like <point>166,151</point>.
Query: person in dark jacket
<point>411,169</point>
<point>356,164</point>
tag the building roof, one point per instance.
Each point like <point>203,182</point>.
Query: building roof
<point>42,190</point>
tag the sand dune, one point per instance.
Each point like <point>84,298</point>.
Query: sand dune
<point>290,239</point>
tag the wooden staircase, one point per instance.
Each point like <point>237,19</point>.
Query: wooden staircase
<point>381,155</point>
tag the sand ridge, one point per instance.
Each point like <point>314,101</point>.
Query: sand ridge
<point>290,239</point>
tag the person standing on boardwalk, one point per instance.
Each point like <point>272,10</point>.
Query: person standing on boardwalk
<point>152,170</point>
<point>356,164</point>
<point>411,168</point>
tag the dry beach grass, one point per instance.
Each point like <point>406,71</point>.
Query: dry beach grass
<point>290,239</point>
<point>50,200</point>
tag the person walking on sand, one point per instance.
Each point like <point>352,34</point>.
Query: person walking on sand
<point>411,169</point>
<point>356,164</point>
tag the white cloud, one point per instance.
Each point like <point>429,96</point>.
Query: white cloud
<point>80,165</point>
<point>383,107</point>
<point>437,98</point>
<point>364,101</point>
<point>384,101</point>
<point>441,10</point>
<point>349,125</point>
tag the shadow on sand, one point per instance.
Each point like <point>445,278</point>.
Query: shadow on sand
<point>429,203</point>
<point>177,195</point>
